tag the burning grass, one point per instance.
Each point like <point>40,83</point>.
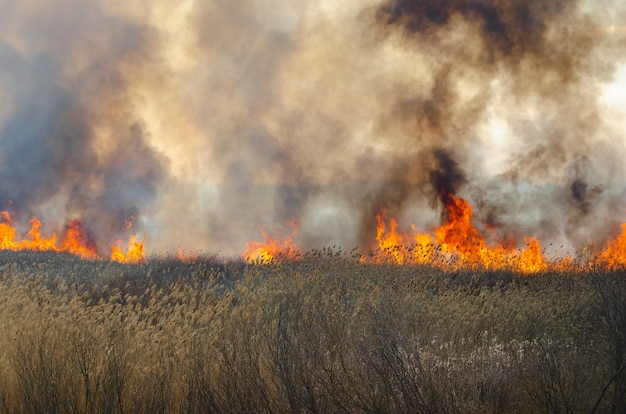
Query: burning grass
<point>457,244</point>
<point>75,240</point>
<point>323,334</point>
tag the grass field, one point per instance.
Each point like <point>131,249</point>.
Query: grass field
<point>326,334</point>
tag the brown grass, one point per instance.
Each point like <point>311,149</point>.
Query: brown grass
<point>324,335</point>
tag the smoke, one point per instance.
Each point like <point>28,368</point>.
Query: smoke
<point>71,143</point>
<point>536,68</point>
<point>201,122</point>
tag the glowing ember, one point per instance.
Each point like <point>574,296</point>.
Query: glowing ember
<point>273,248</point>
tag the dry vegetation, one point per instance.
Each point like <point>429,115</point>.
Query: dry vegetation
<point>325,335</point>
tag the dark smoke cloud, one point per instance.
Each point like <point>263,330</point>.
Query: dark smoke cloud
<point>203,121</point>
<point>447,177</point>
<point>508,30</point>
<point>545,60</point>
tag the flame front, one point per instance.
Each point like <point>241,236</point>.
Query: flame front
<point>614,256</point>
<point>135,252</point>
<point>75,240</point>
<point>273,248</point>
<point>390,242</point>
<point>399,248</point>
<point>459,236</point>
<point>455,244</point>
<point>7,232</point>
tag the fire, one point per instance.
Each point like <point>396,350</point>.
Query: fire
<point>614,256</point>
<point>7,232</point>
<point>459,236</point>
<point>135,252</point>
<point>37,241</point>
<point>401,248</point>
<point>187,257</point>
<point>390,242</point>
<point>273,248</point>
<point>34,241</point>
<point>530,259</point>
<point>75,240</point>
<point>455,244</point>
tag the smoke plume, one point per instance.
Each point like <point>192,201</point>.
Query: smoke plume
<point>197,123</point>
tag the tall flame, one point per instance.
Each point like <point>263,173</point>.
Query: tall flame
<point>401,248</point>
<point>614,256</point>
<point>77,241</point>
<point>391,241</point>
<point>7,232</point>
<point>455,244</point>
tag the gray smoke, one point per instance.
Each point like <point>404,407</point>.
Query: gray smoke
<point>72,145</point>
<point>202,121</point>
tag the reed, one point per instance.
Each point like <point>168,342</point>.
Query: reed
<point>324,334</point>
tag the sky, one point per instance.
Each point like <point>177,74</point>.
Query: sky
<point>197,124</point>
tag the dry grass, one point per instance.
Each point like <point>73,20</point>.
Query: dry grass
<point>325,335</point>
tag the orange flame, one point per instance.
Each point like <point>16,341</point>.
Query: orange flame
<point>37,241</point>
<point>459,236</point>
<point>187,257</point>
<point>453,245</point>
<point>7,232</point>
<point>456,243</point>
<point>273,248</point>
<point>75,240</point>
<point>400,248</point>
<point>390,242</point>
<point>135,252</point>
<point>614,256</point>
<point>530,259</point>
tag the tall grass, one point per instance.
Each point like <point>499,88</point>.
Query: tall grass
<point>326,334</point>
